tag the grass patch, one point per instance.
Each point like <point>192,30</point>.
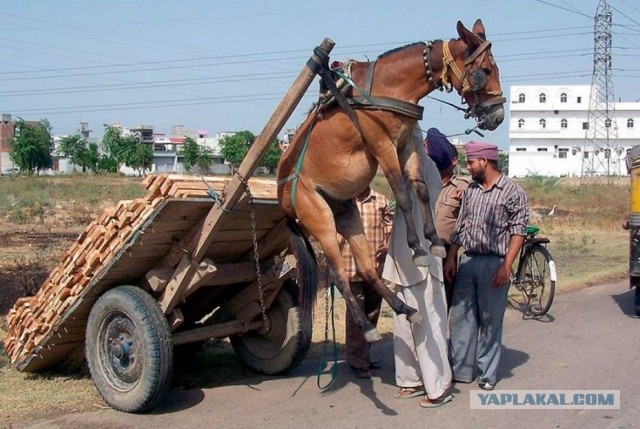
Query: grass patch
<point>41,216</point>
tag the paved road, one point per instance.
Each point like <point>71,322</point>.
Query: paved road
<point>591,341</point>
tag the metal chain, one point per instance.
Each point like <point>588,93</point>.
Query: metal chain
<point>256,255</point>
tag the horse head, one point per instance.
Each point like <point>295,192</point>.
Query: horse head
<point>468,65</point>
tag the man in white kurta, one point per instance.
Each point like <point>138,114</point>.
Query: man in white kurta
<point>420,350</point>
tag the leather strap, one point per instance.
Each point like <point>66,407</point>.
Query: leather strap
<point>389,104</point>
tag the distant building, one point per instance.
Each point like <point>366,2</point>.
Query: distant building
<point>547,129</point>
<point>7,132</point>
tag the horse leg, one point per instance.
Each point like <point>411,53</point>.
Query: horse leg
<point>316,216</point>
<point>399,183</point>
<point>410,160</point>
<point>350,227</point>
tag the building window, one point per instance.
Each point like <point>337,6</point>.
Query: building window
<point>629,123</point>
<point>521,149</point>
<point>563,152</point>
<point>585,125</point>
<point>520,123</point>
<point>585,155</point>
<point>563,97</point>
<point>578,100</point>
<point>521,98</point>
<point>543,97</point>
<point>563,123</point>
<point>543,123</point>
<point>542,149</point>
<point>607,123</point>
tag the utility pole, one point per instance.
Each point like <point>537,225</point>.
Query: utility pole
<point>600,152</point>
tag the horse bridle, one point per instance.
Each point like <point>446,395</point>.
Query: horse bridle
<point>472,82</point>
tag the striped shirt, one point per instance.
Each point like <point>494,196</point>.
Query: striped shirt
<point>488,218</point>
<point>377,217</point>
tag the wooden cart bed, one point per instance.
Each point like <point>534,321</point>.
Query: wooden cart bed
<point>128,241</point>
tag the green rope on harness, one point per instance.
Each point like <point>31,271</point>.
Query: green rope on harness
<point>357,88</point>
<point>215,195</point>
<point>296,173</point>
<point>323,361</point>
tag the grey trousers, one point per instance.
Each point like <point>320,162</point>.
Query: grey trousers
<point>475,319</point>
<point>420,349</point>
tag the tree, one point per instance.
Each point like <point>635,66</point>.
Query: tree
<point>190,152</point>
<point>503,161</point>
<point>233,148</point>
<point>75,148</point>
<point>91,158</point>
<point>126,150</point>
<point>114,145</point>
<point>205,159</point>
<point>271,159</point>
<point>138,155</point>
<point>30,148</point>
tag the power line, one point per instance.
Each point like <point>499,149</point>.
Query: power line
<point>564,8</point>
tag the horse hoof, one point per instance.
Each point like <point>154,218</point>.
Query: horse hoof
<point>372,335</point>
<point>438,251</point>
<point>421,258</point>
<point>415,318</point>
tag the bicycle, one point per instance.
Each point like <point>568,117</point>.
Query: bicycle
<point>535,275</point>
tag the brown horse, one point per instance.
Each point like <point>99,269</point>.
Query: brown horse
<point>335,153</point>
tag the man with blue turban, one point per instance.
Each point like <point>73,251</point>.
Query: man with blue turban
<point>445,156</point>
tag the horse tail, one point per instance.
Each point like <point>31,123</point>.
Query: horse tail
<point>308,278</point>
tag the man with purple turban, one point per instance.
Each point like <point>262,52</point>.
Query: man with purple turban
<point>491,229</point>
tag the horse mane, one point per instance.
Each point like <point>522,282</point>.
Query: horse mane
<point>389,52</point>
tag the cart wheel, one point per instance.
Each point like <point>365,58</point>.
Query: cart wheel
<point>284,346</point>
<point>129,349</point>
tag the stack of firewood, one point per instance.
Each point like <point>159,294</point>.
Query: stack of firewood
<point>33,319</point>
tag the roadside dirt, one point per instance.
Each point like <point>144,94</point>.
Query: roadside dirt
<point>22,276</point>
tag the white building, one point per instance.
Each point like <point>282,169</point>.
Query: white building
<point>547,131</point>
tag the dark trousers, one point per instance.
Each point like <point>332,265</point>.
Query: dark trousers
<point>448,286</point>
<point>358,349</point>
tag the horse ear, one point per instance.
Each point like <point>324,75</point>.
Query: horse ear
<point>471,39</point>
<point>478,28</point>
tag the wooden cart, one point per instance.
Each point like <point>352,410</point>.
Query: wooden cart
<point>198,258</point>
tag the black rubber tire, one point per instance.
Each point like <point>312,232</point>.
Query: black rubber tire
<point>129,349</point>
<point>285,345</point>
<point>637,300</point>
<point>537,267</point>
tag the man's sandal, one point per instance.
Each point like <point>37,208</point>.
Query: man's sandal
<point>409,392</point>
<point>435,403</point>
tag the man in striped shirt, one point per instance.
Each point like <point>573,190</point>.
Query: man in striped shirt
<point>377,217</point>
<point>491,229</point>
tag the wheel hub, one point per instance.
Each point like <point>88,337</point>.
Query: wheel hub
<point>121,349</point>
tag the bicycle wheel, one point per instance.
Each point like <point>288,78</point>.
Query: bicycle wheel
<point>540,273</point>
<point>517,294</point>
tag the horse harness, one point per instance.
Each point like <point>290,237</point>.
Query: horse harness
<point>335,92</point>
<point>470,82</point>
<point>334,89</point>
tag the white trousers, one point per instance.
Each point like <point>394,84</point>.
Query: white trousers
<point>421,349</point>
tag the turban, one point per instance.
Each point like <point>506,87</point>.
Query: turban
<point>440,150</point>
<point>475,150</point>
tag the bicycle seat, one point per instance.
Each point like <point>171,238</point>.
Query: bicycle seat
<point>532,230</point>
<point>531,236</point>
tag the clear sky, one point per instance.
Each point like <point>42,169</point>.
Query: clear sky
<point>224,65</point>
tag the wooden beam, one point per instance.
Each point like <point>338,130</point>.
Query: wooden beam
<point>235,188</point>
<point>158,278</point>
<point>186,273</point>
<point>221,330</point>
